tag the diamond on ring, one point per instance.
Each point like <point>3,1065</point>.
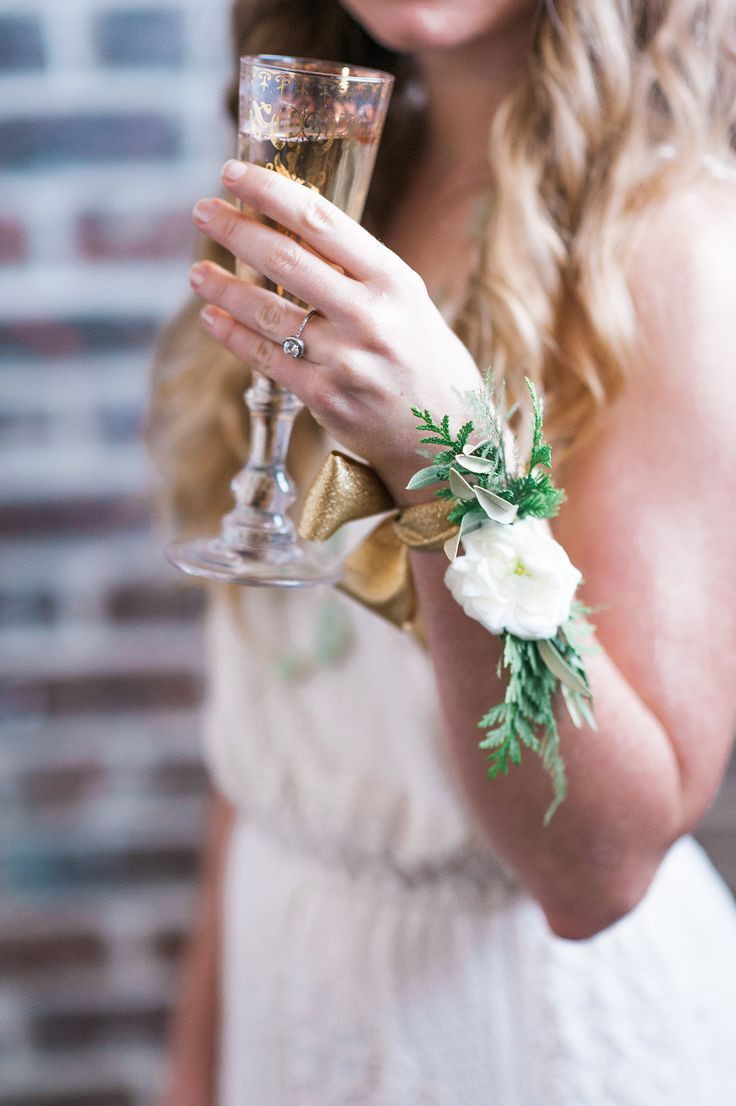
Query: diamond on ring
<point>292,345</point>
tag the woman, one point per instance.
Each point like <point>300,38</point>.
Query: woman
<point>397,929</point>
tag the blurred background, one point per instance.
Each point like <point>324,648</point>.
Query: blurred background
<point>110,128</point>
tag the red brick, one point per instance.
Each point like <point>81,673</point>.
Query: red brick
<point>75,336</point>
<point>13,241</point>
<point>82,515</point>
<point>169,944</point>
<point>176,777</point>
<point>152,602</point>
<point>63,783</point>
<point>83,693</point>
<point>24,952</point>
<point>71,1027</point>
<point>102,235</point>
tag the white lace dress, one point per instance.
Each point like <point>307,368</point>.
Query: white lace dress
<point>372,955</point>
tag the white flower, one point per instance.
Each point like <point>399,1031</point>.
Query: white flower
<point>515,578</point>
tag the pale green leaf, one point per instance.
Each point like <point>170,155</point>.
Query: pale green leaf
<point>430,475</point>
<point>497,508</point>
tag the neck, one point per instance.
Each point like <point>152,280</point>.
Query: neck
<point>464,88</point>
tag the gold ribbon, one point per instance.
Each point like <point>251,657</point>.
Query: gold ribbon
<point>377,573</point>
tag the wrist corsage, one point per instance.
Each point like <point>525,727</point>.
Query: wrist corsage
<point>508,573</point>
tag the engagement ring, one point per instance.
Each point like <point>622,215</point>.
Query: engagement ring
<point>293,345</point>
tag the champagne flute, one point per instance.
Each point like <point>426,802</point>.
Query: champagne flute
<point>318,123</point>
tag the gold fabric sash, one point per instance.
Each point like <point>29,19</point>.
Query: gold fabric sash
<point>377,573</point>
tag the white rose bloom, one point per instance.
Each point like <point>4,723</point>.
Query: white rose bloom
<point>515,578</point>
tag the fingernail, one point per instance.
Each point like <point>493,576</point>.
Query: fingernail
<point>234,170</point>
<point>208,315</point>
<point>204,210</point>
<point>196,276</point>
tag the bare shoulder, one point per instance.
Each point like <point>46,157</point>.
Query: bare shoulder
<point>674,417</point>
<point>683,284</point>
<point>695,222</point>
<point>679,397</point>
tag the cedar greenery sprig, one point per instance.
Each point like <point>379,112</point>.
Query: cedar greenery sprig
<point>526,711</point>
<point>440,435</point>
<point>526,715</point>
<point>532,492</point>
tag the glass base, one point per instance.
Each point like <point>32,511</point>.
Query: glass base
<point>302,565</point>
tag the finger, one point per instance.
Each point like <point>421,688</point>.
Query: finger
<point>256,351</point>
<point>258,309</point>
<point>282,260</point>
<point>304,211</point>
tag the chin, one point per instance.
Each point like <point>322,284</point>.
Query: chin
<point>415,26</point>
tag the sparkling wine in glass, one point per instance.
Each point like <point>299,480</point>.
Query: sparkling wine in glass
<point>318,123</point>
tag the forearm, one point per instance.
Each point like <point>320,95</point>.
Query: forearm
<point>623,806</point>
<point>195,1025</point>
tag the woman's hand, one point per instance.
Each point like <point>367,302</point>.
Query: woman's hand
<point>378,345</point>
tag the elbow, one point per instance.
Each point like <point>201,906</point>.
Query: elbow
<point>594,910</point>
<point>581,926</point>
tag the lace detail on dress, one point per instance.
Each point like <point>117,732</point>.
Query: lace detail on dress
<point>346,990</point>
<point>350,758</point>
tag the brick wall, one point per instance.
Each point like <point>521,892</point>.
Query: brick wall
<point>110,128</point>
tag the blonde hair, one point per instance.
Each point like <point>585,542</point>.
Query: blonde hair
<point>577,165</point>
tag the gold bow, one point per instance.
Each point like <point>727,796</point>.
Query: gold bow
<point>377,573</point>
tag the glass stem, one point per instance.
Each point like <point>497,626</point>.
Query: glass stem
<point>264,490</point>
